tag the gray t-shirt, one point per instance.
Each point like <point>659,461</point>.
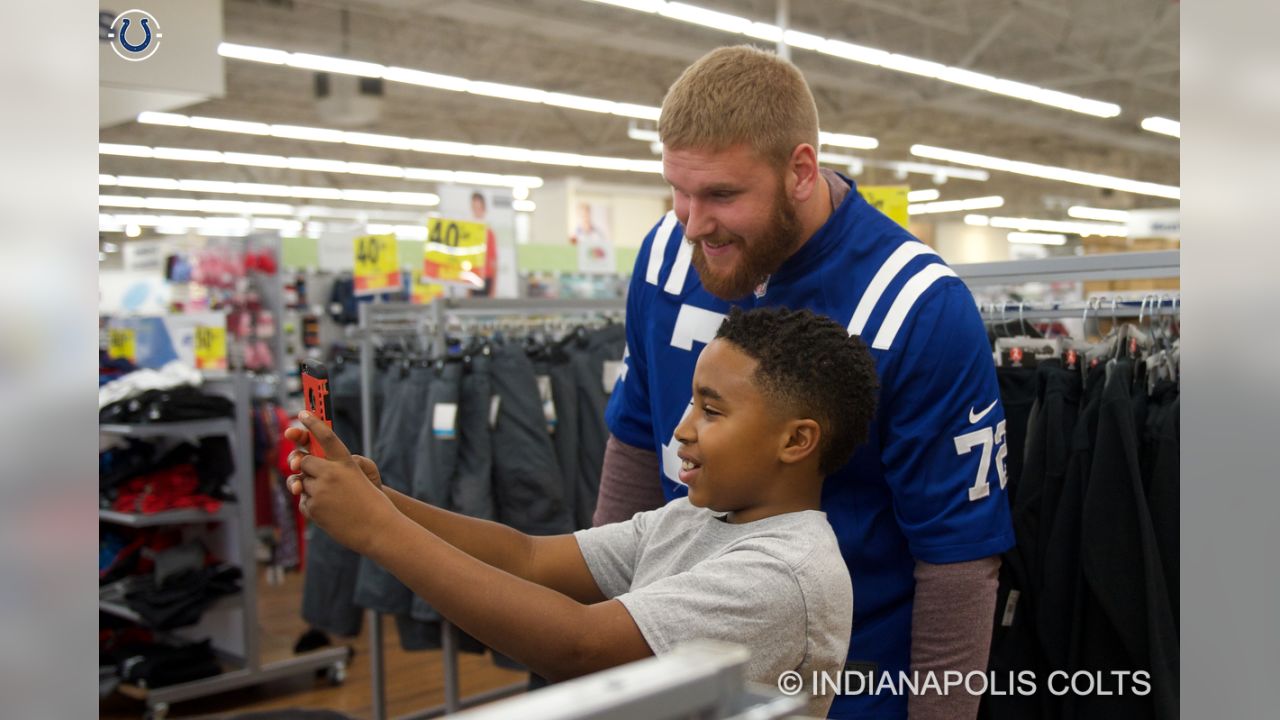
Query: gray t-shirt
<point>778,586</point>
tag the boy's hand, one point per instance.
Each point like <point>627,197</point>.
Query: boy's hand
<point>337,494</point>
<point>302,438</point>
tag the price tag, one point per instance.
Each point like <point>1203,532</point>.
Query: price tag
<point>122,343</point>
<point>424,290</point>
<point>888,199</point>
<point>455,251</point>
<point>211,348</point>
<point>377,266</point>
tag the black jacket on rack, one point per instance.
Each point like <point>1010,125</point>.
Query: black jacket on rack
<point>1127,624</point>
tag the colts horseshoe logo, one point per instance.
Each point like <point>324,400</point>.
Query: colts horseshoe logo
<point>128,28</point>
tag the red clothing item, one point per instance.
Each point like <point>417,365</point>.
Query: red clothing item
<point>168,489</point>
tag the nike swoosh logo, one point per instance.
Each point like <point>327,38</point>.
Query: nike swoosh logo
<point>975,417</point>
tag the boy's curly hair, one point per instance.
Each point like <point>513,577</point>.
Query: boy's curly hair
<point>815,369</point>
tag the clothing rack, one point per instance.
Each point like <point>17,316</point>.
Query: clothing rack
<point>1106,266</point>
<point>1097,307</point>
<point>399,320</point>
<point>232,623</point>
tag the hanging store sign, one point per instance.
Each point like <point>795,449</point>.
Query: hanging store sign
<point>211,348</point>
<point>888,199</point>
<point>455,251</point>
<point>122,344</point>
<point>377,264</point>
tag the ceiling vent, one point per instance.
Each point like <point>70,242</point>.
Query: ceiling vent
<point>348,100</point>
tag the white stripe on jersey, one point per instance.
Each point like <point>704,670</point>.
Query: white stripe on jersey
<point>680,270</point>
<point>658,250</point>
<point>885,275</point>
<point>906,299</point>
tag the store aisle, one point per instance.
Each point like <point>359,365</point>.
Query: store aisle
<point>414,680</point>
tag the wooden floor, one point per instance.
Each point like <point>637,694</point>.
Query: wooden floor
<point>415,681</point>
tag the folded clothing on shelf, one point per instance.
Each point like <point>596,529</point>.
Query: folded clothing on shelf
<point>179,601</point>
<point>176,404</point>
<point>174,374</point>
<point>167,489</point>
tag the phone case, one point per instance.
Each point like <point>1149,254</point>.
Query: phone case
<point>315,397</point>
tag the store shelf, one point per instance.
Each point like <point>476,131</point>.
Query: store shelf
<point>193,428</point>
<point>185,516</point>
<point>127,613</point>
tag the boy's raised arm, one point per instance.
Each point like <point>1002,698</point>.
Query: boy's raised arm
<point>509,609</point>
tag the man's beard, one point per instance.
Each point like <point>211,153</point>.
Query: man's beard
<point>758,258</point>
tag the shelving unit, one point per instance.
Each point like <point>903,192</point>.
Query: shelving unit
<point>188,516</point>
<point>231,622</point>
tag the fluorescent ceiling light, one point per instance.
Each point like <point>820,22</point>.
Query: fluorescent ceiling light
<point>187,154</point>
<point>764,31</point>
<point>702,16</point>
<point>443,147</point>
<point>254,54</point>
<point>297,132</point>
<point>341,66</point>
<point>1164,126</point>
<point>195,205</point>
<point>577,102</point>
<point>648,6</point>
<point>520,193</point>
<point>858,142</point>
<point>944,206</point>
<point>125,150</point>
<point>642,112</point>
<point>1089,213</point>
<point>255,160</point>
<point>162,118</point>
<point>321,165</point>
<point>939,173</point>
<point>425,79</point>
<point>1047,172</point>
<point>508,92</point>
<point>523,205</point>
<point>643,135</point>
<point>150,183</point>
<point>1052,226</point>
<point>923,195</point>
<point>234,188</point>
<point>871,56</point>
<point>235,126</point>
<point>1031,238</point>
<point>802,40</point>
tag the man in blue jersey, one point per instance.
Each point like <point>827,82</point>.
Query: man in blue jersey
<point>920,511</point>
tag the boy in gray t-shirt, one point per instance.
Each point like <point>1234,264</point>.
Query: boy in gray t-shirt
<point>780,399</point>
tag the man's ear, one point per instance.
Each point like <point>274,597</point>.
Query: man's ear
<point>803,170</point>
<point>801,441</point>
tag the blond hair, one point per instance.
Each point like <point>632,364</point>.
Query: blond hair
<point>740,94</point>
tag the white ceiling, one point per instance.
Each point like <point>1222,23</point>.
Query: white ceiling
<point>1124,52</point>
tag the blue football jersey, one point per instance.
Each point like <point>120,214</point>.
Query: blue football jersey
<point>929,484</point>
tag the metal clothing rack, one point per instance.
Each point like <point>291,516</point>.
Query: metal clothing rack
<point>232,623</point>
<point>1106,266</point>
<point>1098,307</point>
<point>390,320</point>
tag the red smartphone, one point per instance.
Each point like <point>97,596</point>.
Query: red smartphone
<point>315,397</point>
